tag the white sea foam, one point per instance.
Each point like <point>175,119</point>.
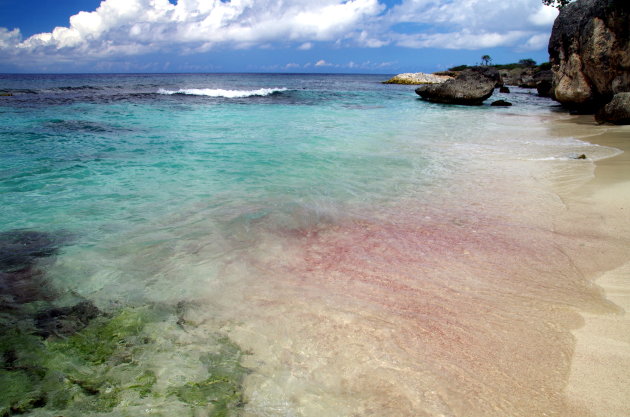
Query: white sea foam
<point>218,92</point>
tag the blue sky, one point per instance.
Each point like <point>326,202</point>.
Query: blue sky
<point>360,36</point>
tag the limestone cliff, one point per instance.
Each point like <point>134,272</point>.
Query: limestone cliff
<point>589,51</point>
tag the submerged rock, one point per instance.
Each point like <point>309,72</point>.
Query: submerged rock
<point>65,321</point>
<point>501,103</point>
<point>471,87</point>
<point>21,281</point>
<point>617,111</point>
<point>19,249</point>
<point>589,51</point>
<point>417,78</point>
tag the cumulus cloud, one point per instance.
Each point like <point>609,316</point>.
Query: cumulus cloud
<point>136,26</point>
<point>9,38</point>
<point>132,27</point>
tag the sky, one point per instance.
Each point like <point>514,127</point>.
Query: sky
<point>312,36</point>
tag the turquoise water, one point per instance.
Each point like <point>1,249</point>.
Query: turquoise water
<point>216,189</point>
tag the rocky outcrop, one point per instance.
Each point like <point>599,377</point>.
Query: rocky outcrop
<point>471,87</point>
<point>521,77</point>
<point>617,111</point>
<point>417,78</point>
<point>589,51</point>
<point>501,103</point>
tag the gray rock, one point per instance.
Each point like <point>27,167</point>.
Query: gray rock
<point>544,83</point>
<point>501,103</point>
<point>617,111</point>
<point>589,51</point>
<point>489,72</point>
<point>471,87</point>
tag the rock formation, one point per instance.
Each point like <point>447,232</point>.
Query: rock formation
<point>617,111</point>
<point>590,53</point>
<point>417,78</point>
<point>471,87</point>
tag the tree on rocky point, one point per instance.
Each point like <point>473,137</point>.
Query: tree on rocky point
<point>485,60</point>
<point>527,62</point>
<point>556,3</point>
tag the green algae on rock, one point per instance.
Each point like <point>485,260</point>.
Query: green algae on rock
<point>113,365</point>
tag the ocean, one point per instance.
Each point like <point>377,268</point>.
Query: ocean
<point>287,245</point>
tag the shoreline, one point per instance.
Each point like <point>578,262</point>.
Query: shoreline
<point>599,380</point>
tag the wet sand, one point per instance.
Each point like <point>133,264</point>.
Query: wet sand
<point>599,380</point>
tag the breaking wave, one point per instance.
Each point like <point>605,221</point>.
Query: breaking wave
<point>210,92</point>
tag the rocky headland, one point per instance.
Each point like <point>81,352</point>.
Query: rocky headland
<point>589,51</point>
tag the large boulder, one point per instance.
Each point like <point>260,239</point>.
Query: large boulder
<point>589,51</point>
<point>617,111</point>
<point>471,87</point>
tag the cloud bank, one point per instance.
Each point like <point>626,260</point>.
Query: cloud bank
<point>136,27</point>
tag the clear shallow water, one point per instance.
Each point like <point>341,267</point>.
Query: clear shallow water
<point>364,247</point>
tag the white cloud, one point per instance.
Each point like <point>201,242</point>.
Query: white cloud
<point>132,27</point>
<point>202,24</point>
<point>322,63</point>
<point>460,40</point>
<point>544,16</point>
<point>536,42</point>
<point>472,24</point>
<point>9,38</point>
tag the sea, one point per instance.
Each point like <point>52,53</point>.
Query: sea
<point>295,245</point>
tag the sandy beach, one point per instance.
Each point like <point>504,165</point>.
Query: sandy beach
<point>599,380</point>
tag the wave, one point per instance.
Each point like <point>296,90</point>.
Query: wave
<point>210,92</point>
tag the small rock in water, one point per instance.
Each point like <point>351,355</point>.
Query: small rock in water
<point>504,89</point>
<point>582,156</point>
<point>501,103</point>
